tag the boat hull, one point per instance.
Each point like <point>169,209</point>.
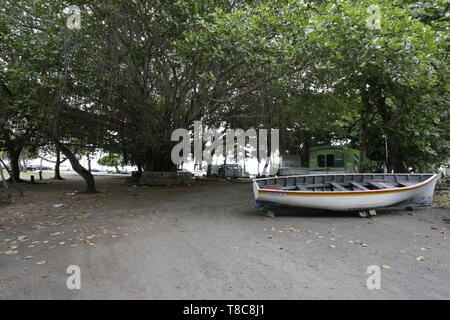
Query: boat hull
<point>417,195</point>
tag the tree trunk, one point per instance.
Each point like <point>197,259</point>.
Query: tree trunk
<point>208,171</point>
<point>307,144</point>
<point>14,156</point>
<point>20,165</point>
<point>57,175</point>
<point>396,161</point>
<point>89,162</point>
<point>224,172</point>
<point>12,181</point>
<point>5,185</point>
<point>158,160</point>
<point>85,174</point>
<point>24,165</point>
<point>364,126</point>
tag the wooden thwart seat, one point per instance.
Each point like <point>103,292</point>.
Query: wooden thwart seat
<point>380,185</point>
<point>338,186</point>
<point>357,185</point>
<point>406,184</point>
<point>302,187</point>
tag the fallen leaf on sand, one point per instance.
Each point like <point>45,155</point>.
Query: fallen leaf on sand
<point>288,229</point>
<point>22,238</point>
<point>420,258</point>
<point>29,257</point>
<point>386,266</point>
<point>41,262</point>
<point>11,252</point>
<point>331,246</point>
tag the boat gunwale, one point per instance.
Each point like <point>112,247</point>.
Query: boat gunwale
<point>350,192</point>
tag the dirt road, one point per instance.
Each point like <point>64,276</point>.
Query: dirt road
<point>208,242</point>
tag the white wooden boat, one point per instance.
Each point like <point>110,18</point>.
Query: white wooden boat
<point>346,192</point>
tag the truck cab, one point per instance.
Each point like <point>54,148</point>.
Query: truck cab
<point>334,159</point>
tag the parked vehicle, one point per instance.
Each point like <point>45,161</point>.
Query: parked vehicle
<point>199,173</point>
<point>322,159</point>
<point>231,171</point>
<point>33,167</point>
<point>334,159</point>
<point>184,172</point>
<point>291,165</point>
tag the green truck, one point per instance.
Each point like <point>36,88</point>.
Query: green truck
<point>326,159</point>
<point>334,158</point>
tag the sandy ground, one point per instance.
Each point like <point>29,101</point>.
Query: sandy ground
<point>208,242</point>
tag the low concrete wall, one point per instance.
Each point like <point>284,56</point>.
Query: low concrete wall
<point>135,176</point>
<point>163,178</point>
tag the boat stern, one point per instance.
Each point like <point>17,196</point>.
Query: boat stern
<point>425,194</point>
<point>255,190</point>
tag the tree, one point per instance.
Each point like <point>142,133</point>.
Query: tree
<point>137,70</point>
<point>387,75</point>
<point>111,160</point>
